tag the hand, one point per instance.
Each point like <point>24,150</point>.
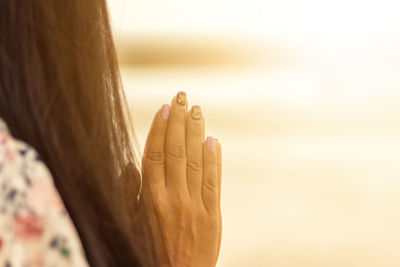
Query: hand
<point>181,187</point>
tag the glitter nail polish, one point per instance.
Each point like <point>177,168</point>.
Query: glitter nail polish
<point>196,112</point>
<point>181,98</point>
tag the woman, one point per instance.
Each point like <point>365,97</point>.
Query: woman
<point>68,172</point>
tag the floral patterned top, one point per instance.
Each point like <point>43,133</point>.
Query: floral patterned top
<point>35,228</point>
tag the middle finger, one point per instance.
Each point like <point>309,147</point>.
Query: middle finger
<point>175,143</point>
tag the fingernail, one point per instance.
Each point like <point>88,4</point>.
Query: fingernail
<point>181,98</point>
<point>165,111</point>
<point>196,112</point>
<point>210,143</point>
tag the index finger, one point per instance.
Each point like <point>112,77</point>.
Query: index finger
<point>154,154</point>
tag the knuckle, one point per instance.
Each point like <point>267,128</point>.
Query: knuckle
<point>176,151</point>
<point>194,165</point>
<point>210,184</point>
<point>155,157</point>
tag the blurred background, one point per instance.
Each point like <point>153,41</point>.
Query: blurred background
<point>304,96</point>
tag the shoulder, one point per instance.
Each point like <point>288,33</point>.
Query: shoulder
<point>35,228</point>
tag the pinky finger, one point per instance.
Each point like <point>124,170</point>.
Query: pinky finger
<point>209,188</point>
<point>219,173</point>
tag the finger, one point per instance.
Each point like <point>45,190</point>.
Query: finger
<point>219,170</point>
<point>194,150</point>
<point>209,188</point>
<point>219,173</point>
<point>154,155</point>
<point>175,144</point>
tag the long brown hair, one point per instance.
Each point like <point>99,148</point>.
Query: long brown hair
<point>60,91</point>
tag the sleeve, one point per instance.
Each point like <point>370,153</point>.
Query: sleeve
<point>35,228</point>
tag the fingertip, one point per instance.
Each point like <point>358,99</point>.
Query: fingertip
<point>218,144</point>
<point>180,100</point>
<point>195,125</point>
<point>210,143</point>
<point>156,137</point>
<point>160,121</point>
<point>210,151</point>
<point>164,112</point>
<point>195,113</point>
<point>210,160</point>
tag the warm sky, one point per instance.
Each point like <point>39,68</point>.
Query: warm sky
<point>331,20</point>
<point>349,37</point>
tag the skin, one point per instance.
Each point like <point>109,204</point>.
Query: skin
<point>181,188</point>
